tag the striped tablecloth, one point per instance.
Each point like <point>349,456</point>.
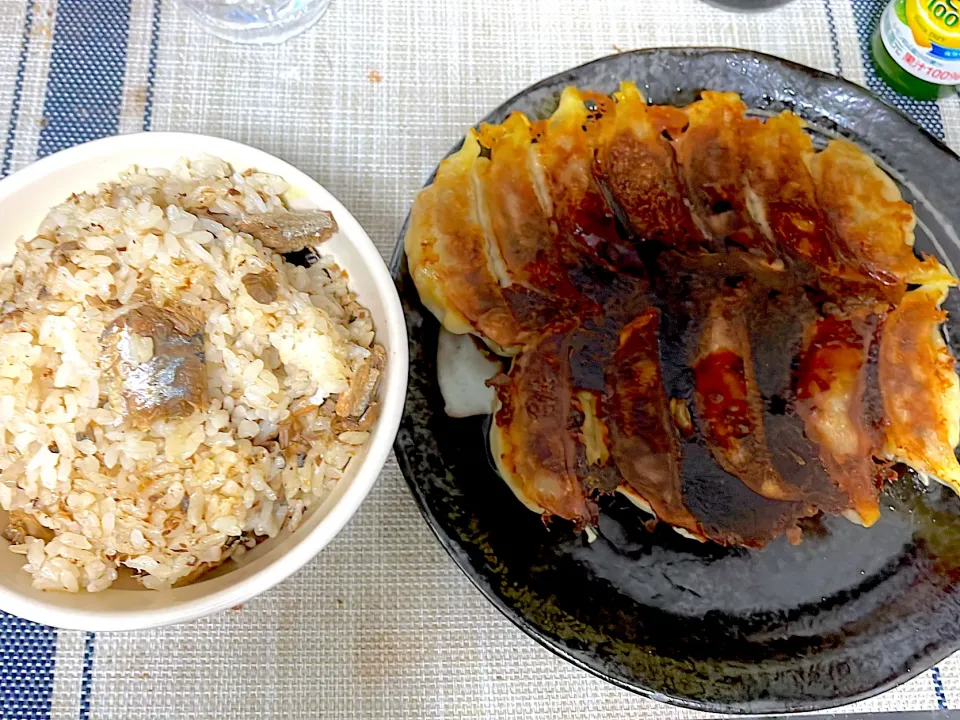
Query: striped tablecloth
<point>382,624</point>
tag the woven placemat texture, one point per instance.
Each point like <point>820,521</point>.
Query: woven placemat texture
<point>381,624</point>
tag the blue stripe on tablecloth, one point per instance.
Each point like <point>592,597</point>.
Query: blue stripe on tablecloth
<point>938,687</point>
<point>27,650</point>
<point>86,678</point>
<point>26,668</point>
<point>17,90</point>
<point>84,94</point>
<point>152,65</point>
<point>866,13</point>
<point>834,40</point>
<point>87,66</point>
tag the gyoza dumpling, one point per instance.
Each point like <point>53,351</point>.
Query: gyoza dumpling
<point>780,194</point>
<point>637,165</point>
<point>644,443</point>
<point>728,401</point>
<point>532,441</point>
<point>517,219</point>
<point>919,387</point>
<point>566,148</point>
<point>710,153</point>
<point>868,214</point>
<point>831,389</point>
<point>782,200</point>
<point>450,260</point>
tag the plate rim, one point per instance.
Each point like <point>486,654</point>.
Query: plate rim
<point>461,560</point>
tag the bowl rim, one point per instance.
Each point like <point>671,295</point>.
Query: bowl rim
<point>382,436</point>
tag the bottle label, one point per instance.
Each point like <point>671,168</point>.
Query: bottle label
<point>923,36</point>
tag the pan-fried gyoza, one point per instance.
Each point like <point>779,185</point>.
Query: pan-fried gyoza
<point>701,311</point>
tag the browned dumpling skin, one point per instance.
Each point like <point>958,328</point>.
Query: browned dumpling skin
<point>831,385</point>
<point>636,164</point>
<point>780,192</point>
<point>706,315</point>
<point>711,157</point>
<point>919,387</point>
<point>449,258</point>
<point>782,200</point>
<point>532,439</point>
<point>728,401</point>
<point>869,217</point>
<point>519,224</point>
<point>644,441</point>
<point>566,148</point>
<point>668,120</point>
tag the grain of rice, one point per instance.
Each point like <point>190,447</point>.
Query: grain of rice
<point>163,497</point>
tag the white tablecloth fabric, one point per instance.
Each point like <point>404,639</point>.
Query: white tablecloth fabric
<point>381,624</point>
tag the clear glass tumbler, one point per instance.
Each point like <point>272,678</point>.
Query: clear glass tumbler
<point>748,5</point>
<point>263,22</point>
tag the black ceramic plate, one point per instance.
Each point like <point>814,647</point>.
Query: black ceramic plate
<point>848,613</point>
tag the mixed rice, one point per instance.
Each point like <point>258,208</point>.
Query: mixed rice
<point>171,390</point>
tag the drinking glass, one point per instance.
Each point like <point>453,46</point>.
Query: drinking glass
<point>257,21</point>
<point>748,5</point>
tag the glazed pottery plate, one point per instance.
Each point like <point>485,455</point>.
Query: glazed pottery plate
<point>848,613</point>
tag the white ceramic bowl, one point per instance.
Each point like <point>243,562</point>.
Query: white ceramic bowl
<point>25,199</point>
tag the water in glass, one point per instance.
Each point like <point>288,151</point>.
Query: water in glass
<point>257,21</point>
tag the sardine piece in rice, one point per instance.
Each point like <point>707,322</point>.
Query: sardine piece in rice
<point>20,526</point>
<point>284,231</point>
<point>169,377</point>
<point>153,362</point>
<point>363,387</point>
<point>262,286</point>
